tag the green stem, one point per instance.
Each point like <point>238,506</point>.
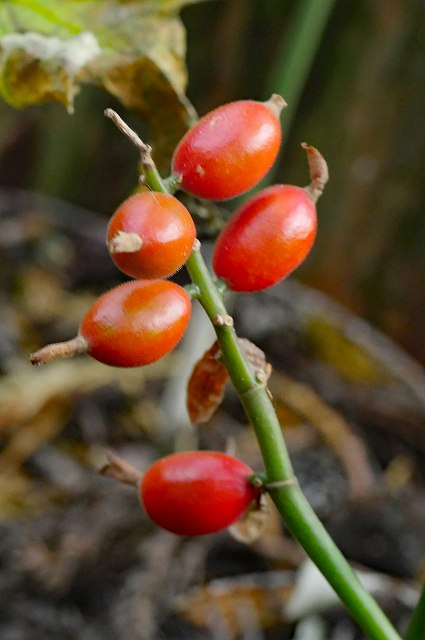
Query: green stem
<point>416,629</point>
<point>288,497</point>
<point>293,62</point>
<point>239,370</point>
<point>152,176</point>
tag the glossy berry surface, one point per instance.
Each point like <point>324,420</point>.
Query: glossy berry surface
<point>136,323</point>
<point>197,492</point>
<point>162,229</point>
<point>266,238</point>
<point>230,149</point>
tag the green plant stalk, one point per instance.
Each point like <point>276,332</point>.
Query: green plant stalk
<point>416,628</point>
<point>297,513</point>
<point>289,499</point>
<point>294,60</point>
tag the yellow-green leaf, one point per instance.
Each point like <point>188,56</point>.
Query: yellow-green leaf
<point>135,49</point>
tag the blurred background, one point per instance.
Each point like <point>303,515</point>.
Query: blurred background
<point>345,335</point>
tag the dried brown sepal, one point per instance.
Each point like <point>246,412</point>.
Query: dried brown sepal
<point>276,103</point>
<point>206,385</point>
<point>125,242</point>
<point>257,359</point>
<point>121,470</point>
<point>252,524</point>
<point>319,173</point>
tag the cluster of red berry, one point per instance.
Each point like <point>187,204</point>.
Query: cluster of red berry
<point>149,237</point>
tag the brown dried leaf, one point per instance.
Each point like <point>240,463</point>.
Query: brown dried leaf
<point>206,385</point>
<point>259,596</point>
<point>252,524</point>
<point>25,393</point>
<point>257,359</point>
<point>134,50</point>
<point>275,544</point>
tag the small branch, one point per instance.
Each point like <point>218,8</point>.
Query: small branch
<point>151,176</point>
<point>129,133</point>
<point>120,470</point>
<point>319,173</point>
<point>59,350</point>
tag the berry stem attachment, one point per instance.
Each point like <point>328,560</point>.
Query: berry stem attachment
<point>121,470</point>
<point>276,103</point>
<point>319,173</point>
<point>59,350</point>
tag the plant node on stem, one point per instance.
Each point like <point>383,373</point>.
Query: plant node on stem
<point>193,291</point>
<point>223,320</point>
<point>278,484</point>
<point>319,174</point>
<point>59,350</point>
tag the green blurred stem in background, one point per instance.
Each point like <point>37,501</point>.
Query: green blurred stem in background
<point>294,59</point>
<point>416,629</point>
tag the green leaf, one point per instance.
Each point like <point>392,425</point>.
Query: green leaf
<point>134,49</point>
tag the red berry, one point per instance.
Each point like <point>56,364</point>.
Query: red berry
<point>266,238</point>
<point>150,235</point>
<point>197,492</point>
<point>136,323</point>
<point>230,149</point>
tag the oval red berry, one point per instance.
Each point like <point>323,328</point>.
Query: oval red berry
<point>136,323</point>
<point>197,492</point>
<point>230,149</point>
<point>266,238</point>
<point>150,235</point>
